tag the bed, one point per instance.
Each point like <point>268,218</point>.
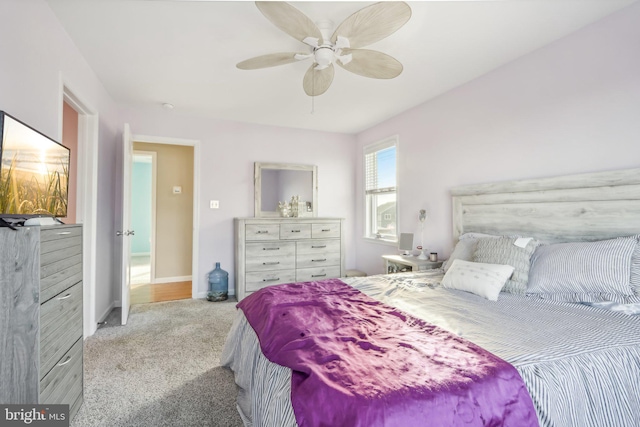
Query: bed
<point>580,363</point>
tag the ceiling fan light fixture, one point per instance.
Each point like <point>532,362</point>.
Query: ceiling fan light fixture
<point>324,56</point>
<point>302,57</point>
<point>344,59</point>
<point>342,43</point>
<point>311,41</point>
<point>344,47</point>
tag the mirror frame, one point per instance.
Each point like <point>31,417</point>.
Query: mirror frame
<point>257,185</point>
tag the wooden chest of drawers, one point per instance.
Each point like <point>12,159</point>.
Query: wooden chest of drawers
<point>270,251</point>
<point>41,359</point>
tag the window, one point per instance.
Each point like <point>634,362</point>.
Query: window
<point>381,190</point>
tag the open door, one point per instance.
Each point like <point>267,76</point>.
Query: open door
<point>127,159</point>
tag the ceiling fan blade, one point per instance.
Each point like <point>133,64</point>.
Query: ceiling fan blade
<point>371,63</point>
<point>316,82</point>
<point>289,19</point>
<point>270,60</point>
<point>373,23</point>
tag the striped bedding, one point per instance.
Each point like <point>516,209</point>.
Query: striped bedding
<point>581,364</point>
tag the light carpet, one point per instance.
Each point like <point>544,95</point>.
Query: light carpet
<point>161,369</point>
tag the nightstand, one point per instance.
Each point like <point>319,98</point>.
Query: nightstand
<point>401,263</point>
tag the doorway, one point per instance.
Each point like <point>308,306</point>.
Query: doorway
<point>79,128</point>
<point>162,196</point>
<point>143,217</point>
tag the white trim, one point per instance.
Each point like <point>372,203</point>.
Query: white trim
<point>368,149</point>
<point>196,198</point>
<point>87,196</point>
<point>381,145</point>
<point>140,254</point>
<point>154,206</point>
<point>196,219</point>
<point>171,280</point>
<point>165,140</point>
<point>381,241</point>
<point>106,313</point>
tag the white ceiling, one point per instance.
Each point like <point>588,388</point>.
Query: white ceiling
<point>147,52</point>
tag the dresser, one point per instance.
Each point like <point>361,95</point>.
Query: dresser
<point>41,345</point>
<point>270,251</point>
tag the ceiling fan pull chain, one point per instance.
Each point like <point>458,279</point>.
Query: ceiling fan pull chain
<point>313,88</point>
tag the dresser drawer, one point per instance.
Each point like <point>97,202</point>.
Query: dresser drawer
<point>63,384</point>
<point>262,232</point>
<point>295,231</point>
<point>266,263</point>
<point>255,281</point>
<point>58,266</point>
<point>320,231</point>
<point>317,260</point>
<point>318,246</point>
<point>278,248</point>
<point>55,250</point>
<point>57,282</point>
<point>48,234</point>
<point>60,326</point>
<point>319,273</point>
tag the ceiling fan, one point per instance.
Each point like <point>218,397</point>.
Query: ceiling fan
<point>364,27</point>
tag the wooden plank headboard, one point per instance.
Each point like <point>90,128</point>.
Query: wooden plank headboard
<point>583,207</point>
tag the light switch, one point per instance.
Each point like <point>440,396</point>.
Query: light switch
<point>177,189</point>
<point>214,204</point>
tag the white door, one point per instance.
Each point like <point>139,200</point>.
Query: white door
<point>127,159</point>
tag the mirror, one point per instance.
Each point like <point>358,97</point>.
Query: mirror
<point>278,182</point>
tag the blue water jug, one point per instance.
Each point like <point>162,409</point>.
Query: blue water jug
<point>218,284</point>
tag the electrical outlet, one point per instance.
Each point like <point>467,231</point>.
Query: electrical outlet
<point>214,204</point>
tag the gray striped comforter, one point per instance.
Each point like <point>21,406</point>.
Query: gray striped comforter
<point>581,364</point>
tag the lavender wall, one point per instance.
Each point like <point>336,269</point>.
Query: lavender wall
<point>36,56</point>
<point>570,107</point>
<point>567,108</point>
<point>228,152</point>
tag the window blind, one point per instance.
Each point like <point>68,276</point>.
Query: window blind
<point>380,170</point>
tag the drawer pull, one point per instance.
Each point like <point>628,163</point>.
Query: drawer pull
<point>271,280</point>
<point>262,232</point>
<point>326,229</point>
<point>64,297</point>
<point>319,260</point>
<point>318,247</point>
<point>295,231</point>
<point>270,249</point>
<point>63,233</point>
<point>271,263</point>
<point>66,361</point>
<point>318,275</point>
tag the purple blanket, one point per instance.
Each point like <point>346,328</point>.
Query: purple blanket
<point>358,362</point>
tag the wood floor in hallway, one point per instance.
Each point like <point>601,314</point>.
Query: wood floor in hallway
<point>145,293</point>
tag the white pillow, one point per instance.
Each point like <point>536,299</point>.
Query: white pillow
<point>465,248</point>
<point>485,280</point>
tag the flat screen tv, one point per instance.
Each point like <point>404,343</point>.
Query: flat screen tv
<point>34,172</point>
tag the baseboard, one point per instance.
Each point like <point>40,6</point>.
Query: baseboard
<point>106,313</point>
<point>170,279</point>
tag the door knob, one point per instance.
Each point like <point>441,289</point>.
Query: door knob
<point>119,233</point>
